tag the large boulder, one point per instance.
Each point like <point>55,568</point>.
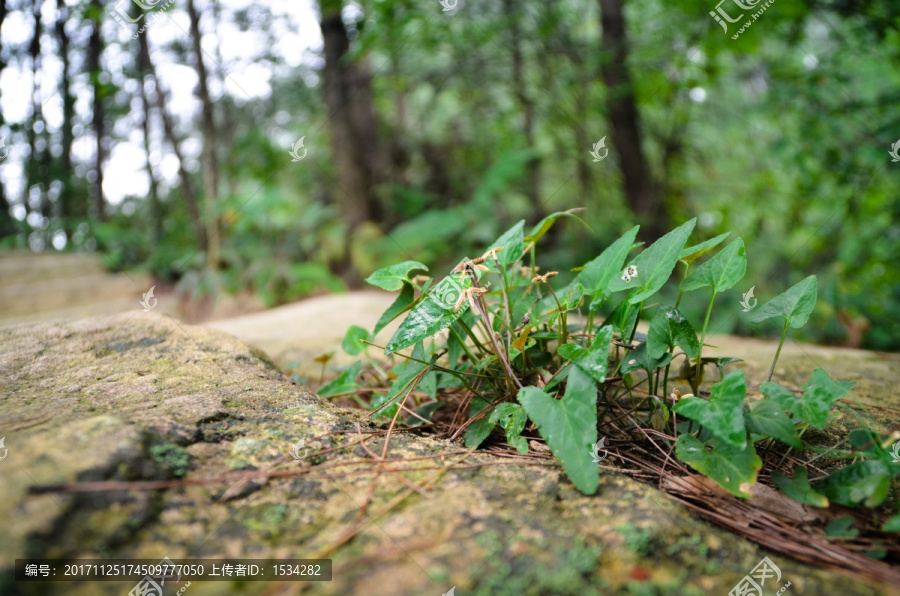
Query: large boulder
<point>189,418</point>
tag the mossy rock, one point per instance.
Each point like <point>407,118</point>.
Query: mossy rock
<point>142,398</point>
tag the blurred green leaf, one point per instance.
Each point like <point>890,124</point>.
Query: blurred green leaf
<point>392,278</point>
<point>798,487</point>
<point>692,253</point>
<point>352,343</point>
<point>344,383</point>
<point>733,468</point>
<point>819,395</point>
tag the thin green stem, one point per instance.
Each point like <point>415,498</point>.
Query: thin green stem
<point>778,352</point>
<point>702,341</point>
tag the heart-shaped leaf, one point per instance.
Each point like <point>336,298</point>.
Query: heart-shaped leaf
<point>734,469</point>
<point>819,396</point>
<point>655,264</point>
<point>569,426</point>
<point>668,329</point>
<point>795,304</point>
<point>767,418</point>
<point>722,415</point>
<point>720,272</point>
<point>692,253</point>
<point>392,278</point>
<point>593,361</point>
<point>798,487</point>
<point>512,419</point>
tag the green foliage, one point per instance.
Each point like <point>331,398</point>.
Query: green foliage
<point>819,395</point>
<point>733,468</point>
<point>511,346</point>
<point>722,414</point>
<point>798,487</point>
<point>794,305</point>
<point>655,264</point>
<point>393,277</point>
<point>569,425</point>
<point>172,456</point>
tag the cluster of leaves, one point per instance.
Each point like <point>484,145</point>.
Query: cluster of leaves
<point>497,334</point>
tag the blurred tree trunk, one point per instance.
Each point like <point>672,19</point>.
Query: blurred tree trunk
<point>351,121</point>
<point>533,191</point>
<point>7,225</point>
<point>95,50</point>
<point>187,186</point>
<point>66,198</point>
<point>210,162</point>
<point>32,165</point>
<point>624,121</point>
<point>156,213</point>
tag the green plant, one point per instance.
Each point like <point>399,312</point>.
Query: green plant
<point>172,456</point>
<point>497,336</point>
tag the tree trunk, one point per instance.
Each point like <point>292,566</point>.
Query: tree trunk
<point>348,102</point>
<point>7,225</point>
<point>156,213</point>
<point>95,50</point>
<point>624,121</point>
<point>210,162</point>
<point>187,186</point>
<point>533,192</point>
<point>66,194</point>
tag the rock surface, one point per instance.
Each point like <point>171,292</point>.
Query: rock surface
<point>144,398</point>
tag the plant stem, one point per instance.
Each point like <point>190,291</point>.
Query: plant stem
<point>778,353</point>
<point>636,321</point>
<point>680,291</point>
<point>702,341</point>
